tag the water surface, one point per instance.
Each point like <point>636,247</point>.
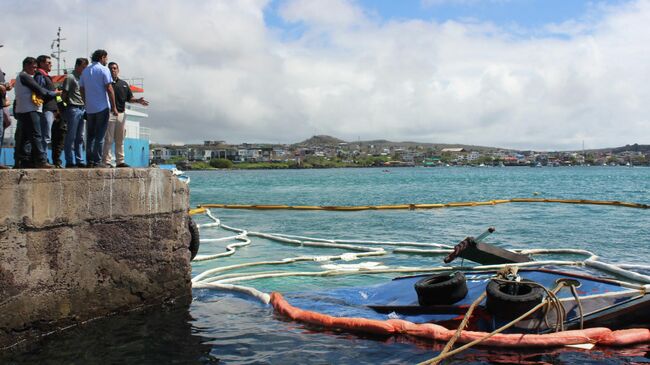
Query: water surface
<point>224,328</point>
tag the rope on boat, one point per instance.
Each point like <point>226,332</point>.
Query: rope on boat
<point>446,354</point>
<point>352,208</point>
<point>551,298</point>
<point>460,328</point>
<point>574,292</point>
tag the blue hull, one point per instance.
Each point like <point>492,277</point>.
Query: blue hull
<point>604,301</point>
<point>136,153</point>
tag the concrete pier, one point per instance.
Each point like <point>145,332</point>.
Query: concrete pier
<point>77,244</point>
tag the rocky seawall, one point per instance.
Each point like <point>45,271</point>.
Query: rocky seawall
<point>77,244</point>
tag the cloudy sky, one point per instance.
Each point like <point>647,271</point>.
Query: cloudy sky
<point>529,74</point>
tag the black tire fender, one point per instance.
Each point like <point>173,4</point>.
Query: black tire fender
<point>194,238</point>
<point>441,289</point>
<point>510,300</point>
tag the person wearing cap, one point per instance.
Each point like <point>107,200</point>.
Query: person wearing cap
<point>116,123</point>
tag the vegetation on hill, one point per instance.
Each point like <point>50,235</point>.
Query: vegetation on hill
<point>634,148</point>
<point>324,140</point>
<point>320,140</point>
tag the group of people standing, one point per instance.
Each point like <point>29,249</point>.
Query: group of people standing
<point>92,95</point>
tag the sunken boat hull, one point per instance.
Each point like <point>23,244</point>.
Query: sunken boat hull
<point>601,301</point>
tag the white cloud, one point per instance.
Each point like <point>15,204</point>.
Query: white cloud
<point>332,13</point>
<point>216,70</point>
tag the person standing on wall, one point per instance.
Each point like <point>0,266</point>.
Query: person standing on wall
<point>74,115</point>
<point>116,123</point>
<point>5,120</point>
<point>59,132</point>
<point>42,77</point>
<point>29,151</point>
<point>96,87</point>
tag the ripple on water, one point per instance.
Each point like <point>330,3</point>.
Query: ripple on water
<point>228,329</point>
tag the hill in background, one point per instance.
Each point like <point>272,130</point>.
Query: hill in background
<point>645,148</point>
<point>323,140</point>
<point>320,140</point>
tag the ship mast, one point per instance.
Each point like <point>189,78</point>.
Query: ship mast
<point>56,51</point>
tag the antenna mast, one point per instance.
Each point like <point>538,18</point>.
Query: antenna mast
<point>56,51</point>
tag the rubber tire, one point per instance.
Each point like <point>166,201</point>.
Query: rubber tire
<point>441,289</point>
<point>194,240</point>
<point>507,306</point>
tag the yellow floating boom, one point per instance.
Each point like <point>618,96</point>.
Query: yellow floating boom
<point>418,206</point>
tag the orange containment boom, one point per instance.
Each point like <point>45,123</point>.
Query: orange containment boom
<point>598,335</point>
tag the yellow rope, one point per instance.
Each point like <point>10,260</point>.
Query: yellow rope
<point>350,208</point>
<point>446,355</point>
<point>460,328</point>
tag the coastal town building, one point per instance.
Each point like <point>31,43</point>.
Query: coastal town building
<point>388,154</point>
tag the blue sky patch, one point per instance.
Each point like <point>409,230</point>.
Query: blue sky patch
<point>522,17</point>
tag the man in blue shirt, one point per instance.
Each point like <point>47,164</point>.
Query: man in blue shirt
<point>97,91</point>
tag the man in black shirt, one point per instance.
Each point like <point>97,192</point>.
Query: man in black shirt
<point>116,124</point>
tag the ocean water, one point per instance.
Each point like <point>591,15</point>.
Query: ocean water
<point>224,328</point>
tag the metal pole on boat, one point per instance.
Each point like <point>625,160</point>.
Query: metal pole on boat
<point>484,235</point>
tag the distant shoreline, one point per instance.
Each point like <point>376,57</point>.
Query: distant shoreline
<point>387,168</point>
